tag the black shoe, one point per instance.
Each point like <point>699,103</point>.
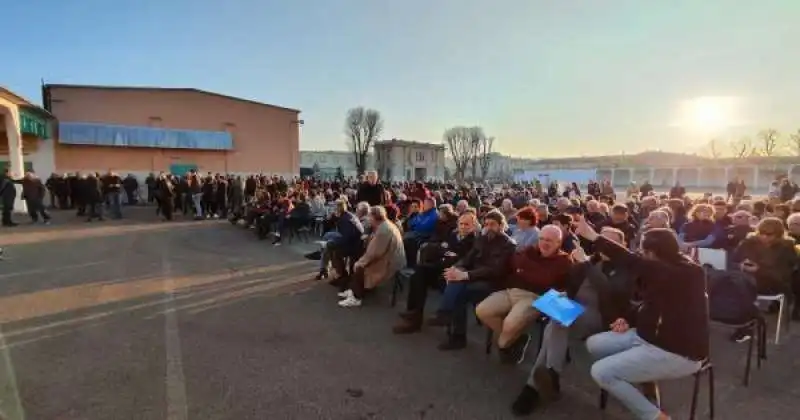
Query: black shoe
<point>453,342</point>
<point>526,402</point>
<point>314,256</point>
<point>515,353</point>
<point>321,275</point>
<point>547,382</point>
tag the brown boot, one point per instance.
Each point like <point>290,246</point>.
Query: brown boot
<point>408,324</point>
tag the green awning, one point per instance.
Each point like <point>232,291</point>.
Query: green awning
<point>34,124</point>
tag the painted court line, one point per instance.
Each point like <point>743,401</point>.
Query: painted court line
<point>177,407</point>
<point>50,270</point>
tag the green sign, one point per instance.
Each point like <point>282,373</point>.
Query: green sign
<point>33,124</point>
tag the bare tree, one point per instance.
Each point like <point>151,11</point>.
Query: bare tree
<point>460,144</point>
<point>485,156</point>
<point>743,148</point>
<point>769,141</point>
<point>794,142</point>
<point>477,138</point>
<point>713,149</point>
<point>362,126</point>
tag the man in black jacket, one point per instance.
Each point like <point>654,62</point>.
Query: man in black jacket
<point>483,269</point>
<point>371,190</point>
<point>434,258</point>
<point>8,194</point>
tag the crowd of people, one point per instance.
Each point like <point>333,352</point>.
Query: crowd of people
<point>630,263</point>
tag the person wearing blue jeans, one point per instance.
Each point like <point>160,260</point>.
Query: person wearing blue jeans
<point>624,359</point>
<point>671,335</point>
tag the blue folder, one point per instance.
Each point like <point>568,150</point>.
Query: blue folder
<point>559,308</point>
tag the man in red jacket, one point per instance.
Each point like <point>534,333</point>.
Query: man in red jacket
<point>535,270</point>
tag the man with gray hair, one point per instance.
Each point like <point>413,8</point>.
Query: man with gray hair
<point>534,271</point>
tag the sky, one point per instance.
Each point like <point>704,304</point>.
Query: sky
<point>546,78</point>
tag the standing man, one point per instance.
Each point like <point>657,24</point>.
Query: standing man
<point>371,190</point>
<point>112,189</point>
<point>8,193</point>
<point>34,192</point>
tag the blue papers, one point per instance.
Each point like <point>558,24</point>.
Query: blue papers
<point>559,308</point>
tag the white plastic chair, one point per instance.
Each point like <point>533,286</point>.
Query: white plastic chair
<point>781,299</point>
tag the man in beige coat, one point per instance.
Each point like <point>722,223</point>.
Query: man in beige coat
<point>383,257</point>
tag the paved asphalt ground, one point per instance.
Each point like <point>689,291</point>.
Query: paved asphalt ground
<point>140,319</point>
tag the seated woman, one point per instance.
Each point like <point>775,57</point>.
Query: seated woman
<point>434,258</point>
<point>605,291</point>
<point>383,258</point>
<point>700,230</point>
<point>526,233</point>
<point>669,339</point>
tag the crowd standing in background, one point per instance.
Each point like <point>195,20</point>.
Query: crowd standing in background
<point>631,262</point>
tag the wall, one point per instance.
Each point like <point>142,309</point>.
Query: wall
<point>266,138</point>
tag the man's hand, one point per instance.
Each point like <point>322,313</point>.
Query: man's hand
<point>583,228</point>
<point>620,326</point>
<point>454,274</point>
<point>578,254</point>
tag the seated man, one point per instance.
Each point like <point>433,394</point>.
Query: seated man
<point>420,227</point>
<point>535,270</point>
<point>381,260</point>
<point>605,292</point>
<point>434,258</point>
<point>346,242</point>
<point>477,275</point>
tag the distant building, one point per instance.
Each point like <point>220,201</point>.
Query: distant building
<point>403,160</point>
<point>151,129</point>
<point>662,169</point>
<point>326,163</point>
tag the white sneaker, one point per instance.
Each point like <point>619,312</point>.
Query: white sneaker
<point>346,294</point>
<point>350,302</point>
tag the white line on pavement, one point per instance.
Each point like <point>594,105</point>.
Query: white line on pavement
<point>10,404</point>
<point>177,408</point>
<point>52,270</point>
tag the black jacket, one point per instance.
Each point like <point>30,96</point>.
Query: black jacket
<point>489,259</point>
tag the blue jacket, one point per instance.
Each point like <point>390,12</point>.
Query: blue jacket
<point>424,222</point>
<point>350,229</point>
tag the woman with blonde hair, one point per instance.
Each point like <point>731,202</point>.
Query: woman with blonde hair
<point>700,230</point>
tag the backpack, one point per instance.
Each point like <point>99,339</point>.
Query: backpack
<point>731,296</point>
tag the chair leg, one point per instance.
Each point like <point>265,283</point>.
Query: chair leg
<point>750,356</point>
<point>395,288</point>
<point>603,399</point>
<point>695,392</point>
<point>489,341</point>
<point>781,302</point>
<point>711,392</point>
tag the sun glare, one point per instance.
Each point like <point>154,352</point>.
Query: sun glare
<point>709,114</point>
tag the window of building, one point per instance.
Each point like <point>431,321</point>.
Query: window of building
<point>420,156</point>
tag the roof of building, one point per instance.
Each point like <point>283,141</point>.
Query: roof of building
<point>400,142</point>
<point>168,89</point>
<point>23,103</point>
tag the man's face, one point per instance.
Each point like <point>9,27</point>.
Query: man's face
<point>427,205</point>
<point>372,178</point>
<point>720,210</point>
<point>466,225</point>
<point>619,216</point>
<point>492,227</point>
<point>414,208</point>
<point>542,212</point>
<point>549,242</point>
